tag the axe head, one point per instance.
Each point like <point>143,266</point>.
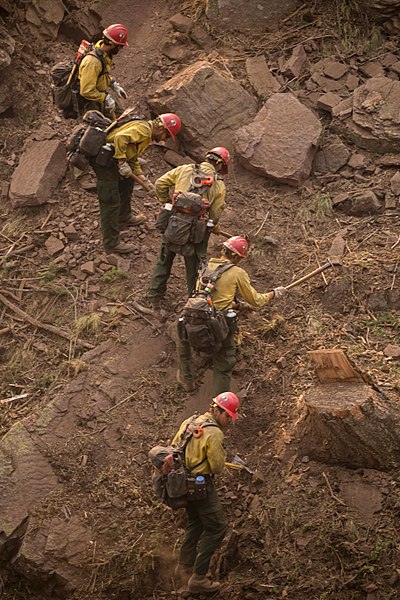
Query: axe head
<point>236,460</point>
<point>336,261</point>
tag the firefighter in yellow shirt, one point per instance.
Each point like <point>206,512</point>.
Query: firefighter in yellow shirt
<point>204,455</point>
<point>232,281</point>
<point>94,72</point>
<point>181,179</point>
<point>115,183</point>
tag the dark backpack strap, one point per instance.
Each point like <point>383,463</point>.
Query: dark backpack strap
<point>205,424</point>
<point>212,276</point>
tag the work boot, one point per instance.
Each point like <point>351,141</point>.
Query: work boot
<point>121,248</point>
<point>134,220</point>
<point>185,382</point>
<point>201,583</point>
<point>182,574</point>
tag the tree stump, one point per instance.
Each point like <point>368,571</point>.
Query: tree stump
<point>346,421</point>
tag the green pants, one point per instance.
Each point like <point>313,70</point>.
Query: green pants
<point>114,193</point>
<point>223,362</point>
<point>162,270</point>
<point>204,532</point>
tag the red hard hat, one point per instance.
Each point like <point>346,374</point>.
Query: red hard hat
<point>223,155</point>
<point>117,33</point>
<point>171,122</point>
<point>229,402</point>
<point>238,244</point>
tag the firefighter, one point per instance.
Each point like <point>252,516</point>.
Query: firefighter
<point>181,180</point>
<point>206,527</point>
<point>233,281</point>
<point>115,183</point>
<point>94,72</point>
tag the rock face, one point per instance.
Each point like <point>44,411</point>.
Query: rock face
<point>40,169</point>
<point>6,97</point>
<point>260,77</point>
<point>7,48</point>
<point>375,120</point>
<point>332,156</point>
<point>209,104</point>
<point>254,14</point>
<point>281,141</point>
<point>44,17</point>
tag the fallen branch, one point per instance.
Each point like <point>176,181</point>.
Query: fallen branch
<point>56,330</point>
<point>331,491</point>
<point>18,397</point>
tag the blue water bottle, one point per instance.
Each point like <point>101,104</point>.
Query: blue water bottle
<point>200,486</point>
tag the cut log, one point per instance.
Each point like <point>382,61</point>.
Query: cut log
<point>350,424</point>
<point>333,365</point>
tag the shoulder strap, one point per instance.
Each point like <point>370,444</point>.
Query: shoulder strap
<point>205,424</point>
<point>212,276</point>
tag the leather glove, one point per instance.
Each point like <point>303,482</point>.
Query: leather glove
<point>216,229</point>
<point>151,187</point>
<point>119,90</point>
<point>109,103</point>
<point>279,292</point>
<point>124,169</point>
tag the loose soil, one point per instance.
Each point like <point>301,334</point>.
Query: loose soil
<point>304,530</point>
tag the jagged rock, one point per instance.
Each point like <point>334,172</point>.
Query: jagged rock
<point>361,203</point>
<point>275,146</point>
<point>260,77</point>
<point>389,160</point>
<point>175,51</point>
<point>395,183</point>
<point>352,82</point>
<point>44,17</point>
<point>372,69</point>
<point>6,97</point>
<point>375,120</point>
<point>40,169</point>
<point>297,63</point>
<point>70,233</point>
<point>188,93</point>
<point>236,14</point>
<point>181,23</point>
<point>332,156</point>
<point>7,48</point>
<point>357,161</point>
<point>82,23</point>
<point>88,267</point>
<point>202,38</point>
<point>328,101</point>
<point>53,245</point>
<point>175,159</point>
<point>334,69</point>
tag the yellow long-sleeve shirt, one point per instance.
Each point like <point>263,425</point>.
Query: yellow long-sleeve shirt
<point>92,84</point>
<point>180,178</point>
<point>130,141</point>
<point>235,280</point>
<point>206,451</point>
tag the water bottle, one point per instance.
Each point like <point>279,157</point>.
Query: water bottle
<point>200,484</point>
<point>168,206</point>
<point>210,223</point>
<point>231,319</point>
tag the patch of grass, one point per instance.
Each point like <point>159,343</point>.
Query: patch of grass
<point>88,324</point>
<point>52,272</point>
<point>114,274</point>
<point>356,32</point>
<point>74,366</point>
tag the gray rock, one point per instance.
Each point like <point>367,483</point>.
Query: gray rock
<point>40,169</point>
<point>260,77</point>
<point>275,146</point>
<point>361,203</point>
<point>253,14</point>
<point>175,159</point>
<point>375,120</point>
<point>209,104</point>
<point>332,156</point>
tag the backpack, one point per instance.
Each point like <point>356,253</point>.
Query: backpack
<point>186,223</point>
<point>65,76</point>
<point>171,480</point>
<point>201,324</point>
<point>88,139</point>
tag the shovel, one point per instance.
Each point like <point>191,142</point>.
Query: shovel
<point>238,463</point>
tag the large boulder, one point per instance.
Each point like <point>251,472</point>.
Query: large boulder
<point>40,169</point>
<point>44,17</point>
<point>253,14</point>
<point>374,122</point>
<point>210,105</point>
<point>81,23</point>
<point>281,141</point>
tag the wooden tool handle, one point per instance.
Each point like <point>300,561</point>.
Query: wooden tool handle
<point>327,265</point>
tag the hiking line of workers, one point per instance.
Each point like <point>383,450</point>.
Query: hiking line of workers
<point>194,198</point>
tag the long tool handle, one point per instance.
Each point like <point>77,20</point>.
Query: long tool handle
<point>327,265</point>
<point>224,234</point>
<point>141,182</point>
<point>69,80</point>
